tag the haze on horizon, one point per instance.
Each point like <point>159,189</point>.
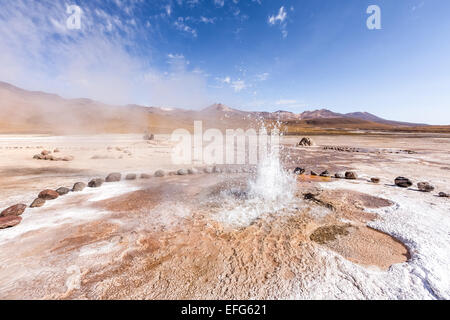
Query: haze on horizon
<point>251,55</point>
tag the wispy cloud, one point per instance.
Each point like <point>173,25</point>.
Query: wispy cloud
<point>98,61</point>
<point>280,19</point>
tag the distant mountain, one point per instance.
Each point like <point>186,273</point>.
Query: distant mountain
<point>39,112</point>
<point>370,117</point>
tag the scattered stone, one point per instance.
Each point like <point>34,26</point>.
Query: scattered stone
<point>149,136</point>
<point>38,157</point>
<point>145,176</point>
<point>182,172</point>
<point>208,170</point>
<point>15,210</point>
<point>9,221</point>
<point>312,197</point>
<point>114,177</point>
<point>48,194</point>
<point>131,176</point>
<point>403,182</point>
<point>325,174</point>
<point>351,175</point>
<point>313,173</point>
<point>45,152</point>
<point>217,170</point>
<point>79,186</point>
<point>96,183</point>
<point>339,175</point>
<point>375,180</point>
<point>192,171</point>
<point>306,142</point>
<point>38,202</point>
<point>62,191</point>
<point>425,187</point>
<point>444,195</point>
<point>299,171</point>
<point>160,173</point>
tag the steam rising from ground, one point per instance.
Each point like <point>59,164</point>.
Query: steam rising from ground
<point>272,190</point>
<point>99,61</point>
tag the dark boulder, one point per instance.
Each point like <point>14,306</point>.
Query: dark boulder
<point>351,175</point>
<point>425,187</point>
<point>9,221</point>
<point>313,173</point>
<point>96,183</point>
<point>131,176</point>
<point>306,142</point>
<point>402,182</point>
<point>145,176</point>
<point>15,210</point>
<point>182,172</point>
<point>325,174</point>
<point>338,175</point>
<point>114,177</point>
<point>63,191</point>
<point>48,194</point>
<point>444,195</point>
<point>160,173</point>
<point>79,186</point>
<point>375,180</point>
<point>39,202</point>
<point>299,171</point>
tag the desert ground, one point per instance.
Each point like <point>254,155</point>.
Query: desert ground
<point>234,233</point>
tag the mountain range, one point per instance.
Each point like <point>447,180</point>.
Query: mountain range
<point>39,112</point>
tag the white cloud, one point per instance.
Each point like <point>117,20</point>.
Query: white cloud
<point>207,20</point>
<point>219,3</point>
<point>38,53</point>
<point>238,85</point>
<point>280,19</point>
<point>180,25</point>
<point>263,76</point>
<point>168,10</point>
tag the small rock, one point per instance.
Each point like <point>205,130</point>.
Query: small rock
<point>182,172</point>
<point>49,157</point>
<point>217,170</point>
<point>67,158</point>
<point>299,171</point>
<point>38,202</point>
<point>113,177</point>
<point>149,136</point>
<point>339,175</point>
<point>9,221</point>
<point>160,173</point>
<point>325,174</point>
<point>56,150</point>
<point>145,176</point>
<point>131,176</point>
<point>313,173</point>
<point>208,170</point>
<point>375,180</point>
<point>79,186</point>
<point>306,142</point>
<point>63,191</point>
<point>403,182</point>
<point>48,194</point>
<point>351,175</point>
<point>444,195</point>
<point>38,157</point>
<point>15,210</point>
<point>425,187</point>
<point>45,152</point>
<point>192,171</point>
<point>96,183</point>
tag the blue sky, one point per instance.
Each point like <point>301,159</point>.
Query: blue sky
<point>248,54</point>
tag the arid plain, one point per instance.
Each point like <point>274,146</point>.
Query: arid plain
<point>204,236</point>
